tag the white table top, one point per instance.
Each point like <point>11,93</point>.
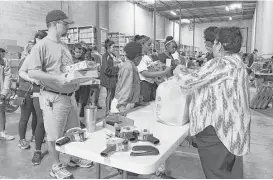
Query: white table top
<point>170,138</point>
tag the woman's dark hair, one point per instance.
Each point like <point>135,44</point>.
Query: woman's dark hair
<point>77,46</point>
<point>108,43</point>
<point>168,38</point>
<point>39,35</point>
<point>231,38</point>
<point>210,33</point>
<point>137,38</point>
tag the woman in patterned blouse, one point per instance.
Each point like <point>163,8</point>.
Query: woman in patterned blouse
<point>219,111</point>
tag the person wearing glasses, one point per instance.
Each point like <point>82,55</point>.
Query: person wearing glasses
<point>210,36</point>
<point>219,111</point>
<point>57,101</point>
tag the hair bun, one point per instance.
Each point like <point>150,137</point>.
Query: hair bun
<point>107,41</point>
<point>169,38</point>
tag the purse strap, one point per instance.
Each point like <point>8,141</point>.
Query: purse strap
<point>29,89</point>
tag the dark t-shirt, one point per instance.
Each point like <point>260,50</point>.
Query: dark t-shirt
<point>163,57</point>
<point>209,56</point>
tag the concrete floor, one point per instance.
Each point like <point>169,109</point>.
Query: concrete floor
<point>16,163</point>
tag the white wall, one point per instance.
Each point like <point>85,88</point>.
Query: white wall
<point>121,19</point>
<point>187,36</point>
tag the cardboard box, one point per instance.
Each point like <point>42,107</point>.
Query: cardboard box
<point>77,77</point>
<point>84,65</point>
<point>91,82</point>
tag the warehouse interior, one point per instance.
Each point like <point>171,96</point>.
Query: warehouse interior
<point>95,21</point>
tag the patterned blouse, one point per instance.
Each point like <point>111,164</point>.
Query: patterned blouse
<point>220,97</point>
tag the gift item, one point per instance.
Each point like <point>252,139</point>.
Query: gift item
<point>172,106</point>
<point>83,65</point>
<point>91,82</point>
<point>77,77</point>
<point>155,67</point>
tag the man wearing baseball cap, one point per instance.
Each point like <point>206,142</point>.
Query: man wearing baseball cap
<point>57,99</point>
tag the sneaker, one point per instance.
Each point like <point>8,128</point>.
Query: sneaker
<point>80,163</point>
<point>60,172</point>
<point>23,144</point>
<point>5,136</point>
<point>37,158</point>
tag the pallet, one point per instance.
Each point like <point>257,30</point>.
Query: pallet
<point>262,98</point>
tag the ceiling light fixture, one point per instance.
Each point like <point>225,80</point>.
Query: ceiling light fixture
<point>230,18</point>
<point>233,7</point>
<point>149,1</point>
<point>185,21</point>
<point>173,13</point>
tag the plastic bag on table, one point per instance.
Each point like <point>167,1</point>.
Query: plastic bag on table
<point>171,105</point>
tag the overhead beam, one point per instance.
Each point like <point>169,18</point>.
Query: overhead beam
<point>214,10</point>
<point>214,15</point>
<point>218,20</point>
<point>200,4</point>
<point>188,11</point>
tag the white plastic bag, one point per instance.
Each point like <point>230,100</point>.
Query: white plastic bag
<point>172,106</point>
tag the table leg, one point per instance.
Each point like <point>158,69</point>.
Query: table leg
<point>98,171</point>
<point>124,175</point>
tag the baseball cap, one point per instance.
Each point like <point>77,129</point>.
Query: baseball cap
<point>133,50</point>
<point>57,15</point>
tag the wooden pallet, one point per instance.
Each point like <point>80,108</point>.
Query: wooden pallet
<point>262,98</point>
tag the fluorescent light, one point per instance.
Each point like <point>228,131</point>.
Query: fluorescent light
<point>230,18</point>
<point>185,21</point>
<point>173,13</point>
<point>149,1</point>
<point>232,7</point>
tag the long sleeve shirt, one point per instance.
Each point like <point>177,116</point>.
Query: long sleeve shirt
<point>128,85</point>
<point>5,80</point>
<point>220,97</point>
<point>108,72</point>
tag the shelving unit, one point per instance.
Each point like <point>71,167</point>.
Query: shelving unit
<point>188,50</point>
<point>120,41</point>
<point>159,46</point>
<point>85,34</point>
<point>104,33</point>
<point>129,38</point>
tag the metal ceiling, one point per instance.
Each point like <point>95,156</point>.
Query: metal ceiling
<point>203,11</point>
